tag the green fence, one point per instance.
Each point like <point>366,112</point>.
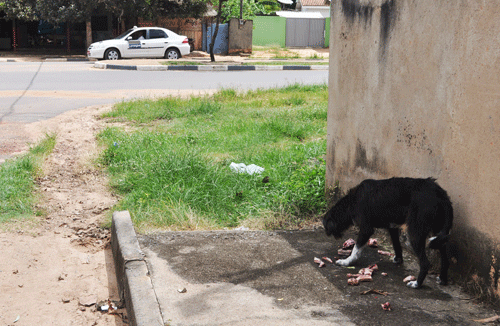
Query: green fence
<point>271,31</point>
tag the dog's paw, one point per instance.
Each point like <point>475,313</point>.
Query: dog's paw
<point>413,285</point>
<point>397,260</point>
<point>441,282</point>
<point>342,262</point>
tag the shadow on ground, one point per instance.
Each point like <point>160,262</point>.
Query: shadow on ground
<point>280,265</point>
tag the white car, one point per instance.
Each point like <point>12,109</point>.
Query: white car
<point>142,42</point>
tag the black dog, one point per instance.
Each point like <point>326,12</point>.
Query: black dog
<point>420,203</point>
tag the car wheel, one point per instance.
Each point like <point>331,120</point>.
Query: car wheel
<point>172,54</point>
<point>112,54</point>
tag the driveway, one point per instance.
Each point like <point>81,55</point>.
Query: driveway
<point>270,278</point>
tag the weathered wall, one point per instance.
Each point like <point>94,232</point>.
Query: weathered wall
<point>415,91</point>
<point>240,36</point>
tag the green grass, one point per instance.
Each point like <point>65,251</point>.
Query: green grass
<point>17,181</point>
<point>172,169</point>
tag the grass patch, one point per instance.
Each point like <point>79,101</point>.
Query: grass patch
<point>173,171</point>
<point>17,181</point>
<point>315,56</point>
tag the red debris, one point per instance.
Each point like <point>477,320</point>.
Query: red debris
<point>409,278</point>
<point>386,306</point>
<point>373,242</point>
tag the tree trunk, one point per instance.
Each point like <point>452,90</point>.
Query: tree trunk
<point>14,35</point>
<point>68,38</point>
<point>214,36</point>
<point>88,27</point>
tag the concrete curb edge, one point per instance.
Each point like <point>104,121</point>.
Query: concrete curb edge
<point>210,67</point>
<point>134,283</point>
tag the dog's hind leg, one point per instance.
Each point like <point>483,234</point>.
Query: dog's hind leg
<point>396,243</point>
<point>418,246</point>
<point>445,264</point>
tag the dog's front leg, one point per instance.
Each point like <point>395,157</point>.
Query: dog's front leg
<point>355,254</point>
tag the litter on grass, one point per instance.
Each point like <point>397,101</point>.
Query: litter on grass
<point>243,168</point>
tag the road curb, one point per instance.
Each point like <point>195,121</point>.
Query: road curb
<point>134,282</point>
<point>46,60</point>
<point>210,67</point>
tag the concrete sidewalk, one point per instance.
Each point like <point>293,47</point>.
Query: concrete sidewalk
<point>269,278</point>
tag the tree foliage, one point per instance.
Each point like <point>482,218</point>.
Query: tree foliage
<point>18,9</point>
<point>231,9</point>
<point>57,11</point>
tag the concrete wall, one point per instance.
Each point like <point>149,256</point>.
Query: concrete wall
<point>240,36</point>
<point>415,91</point>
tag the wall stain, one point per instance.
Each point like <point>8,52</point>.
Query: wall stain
<point>352,9</point>
<point>388,14</point>
<point>413,139</point>
<point>375,165</point>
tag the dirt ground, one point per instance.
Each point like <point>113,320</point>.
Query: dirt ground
<point>55,269</point>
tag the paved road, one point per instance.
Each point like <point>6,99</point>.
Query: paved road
<point>33,91</point>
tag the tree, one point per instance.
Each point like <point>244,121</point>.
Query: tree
<point>249,10</point>
<point>214,36</point>
<point>18,9</point>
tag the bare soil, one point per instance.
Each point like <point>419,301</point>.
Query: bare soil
<point>56,268</point>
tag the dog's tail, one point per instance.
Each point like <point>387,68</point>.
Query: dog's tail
<point>442,236</point>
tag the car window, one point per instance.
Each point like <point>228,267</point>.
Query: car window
<point>138,35</point>
<point>157,33</point>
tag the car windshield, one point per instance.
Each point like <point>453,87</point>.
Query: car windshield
<point>122,35</point>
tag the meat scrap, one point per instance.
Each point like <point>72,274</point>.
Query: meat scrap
<point>327,259</point>
<point>373,243</point>
<point>409,278</point>
<point>353,281</point>
<point>349,243</point>
<point>385,253</point>
<point>343,252</point>
<point>319,261</point>
<point>364,278</point>
<point>364,275</point>
<point>386,306</point>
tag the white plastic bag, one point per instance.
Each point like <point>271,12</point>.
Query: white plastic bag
<point>243,168</point>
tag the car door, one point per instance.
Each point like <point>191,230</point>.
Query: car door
<point>135,46</point>
<point>156,43</point>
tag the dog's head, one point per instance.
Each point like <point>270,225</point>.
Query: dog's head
<point>338,219</point>
<point>331,226</point>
